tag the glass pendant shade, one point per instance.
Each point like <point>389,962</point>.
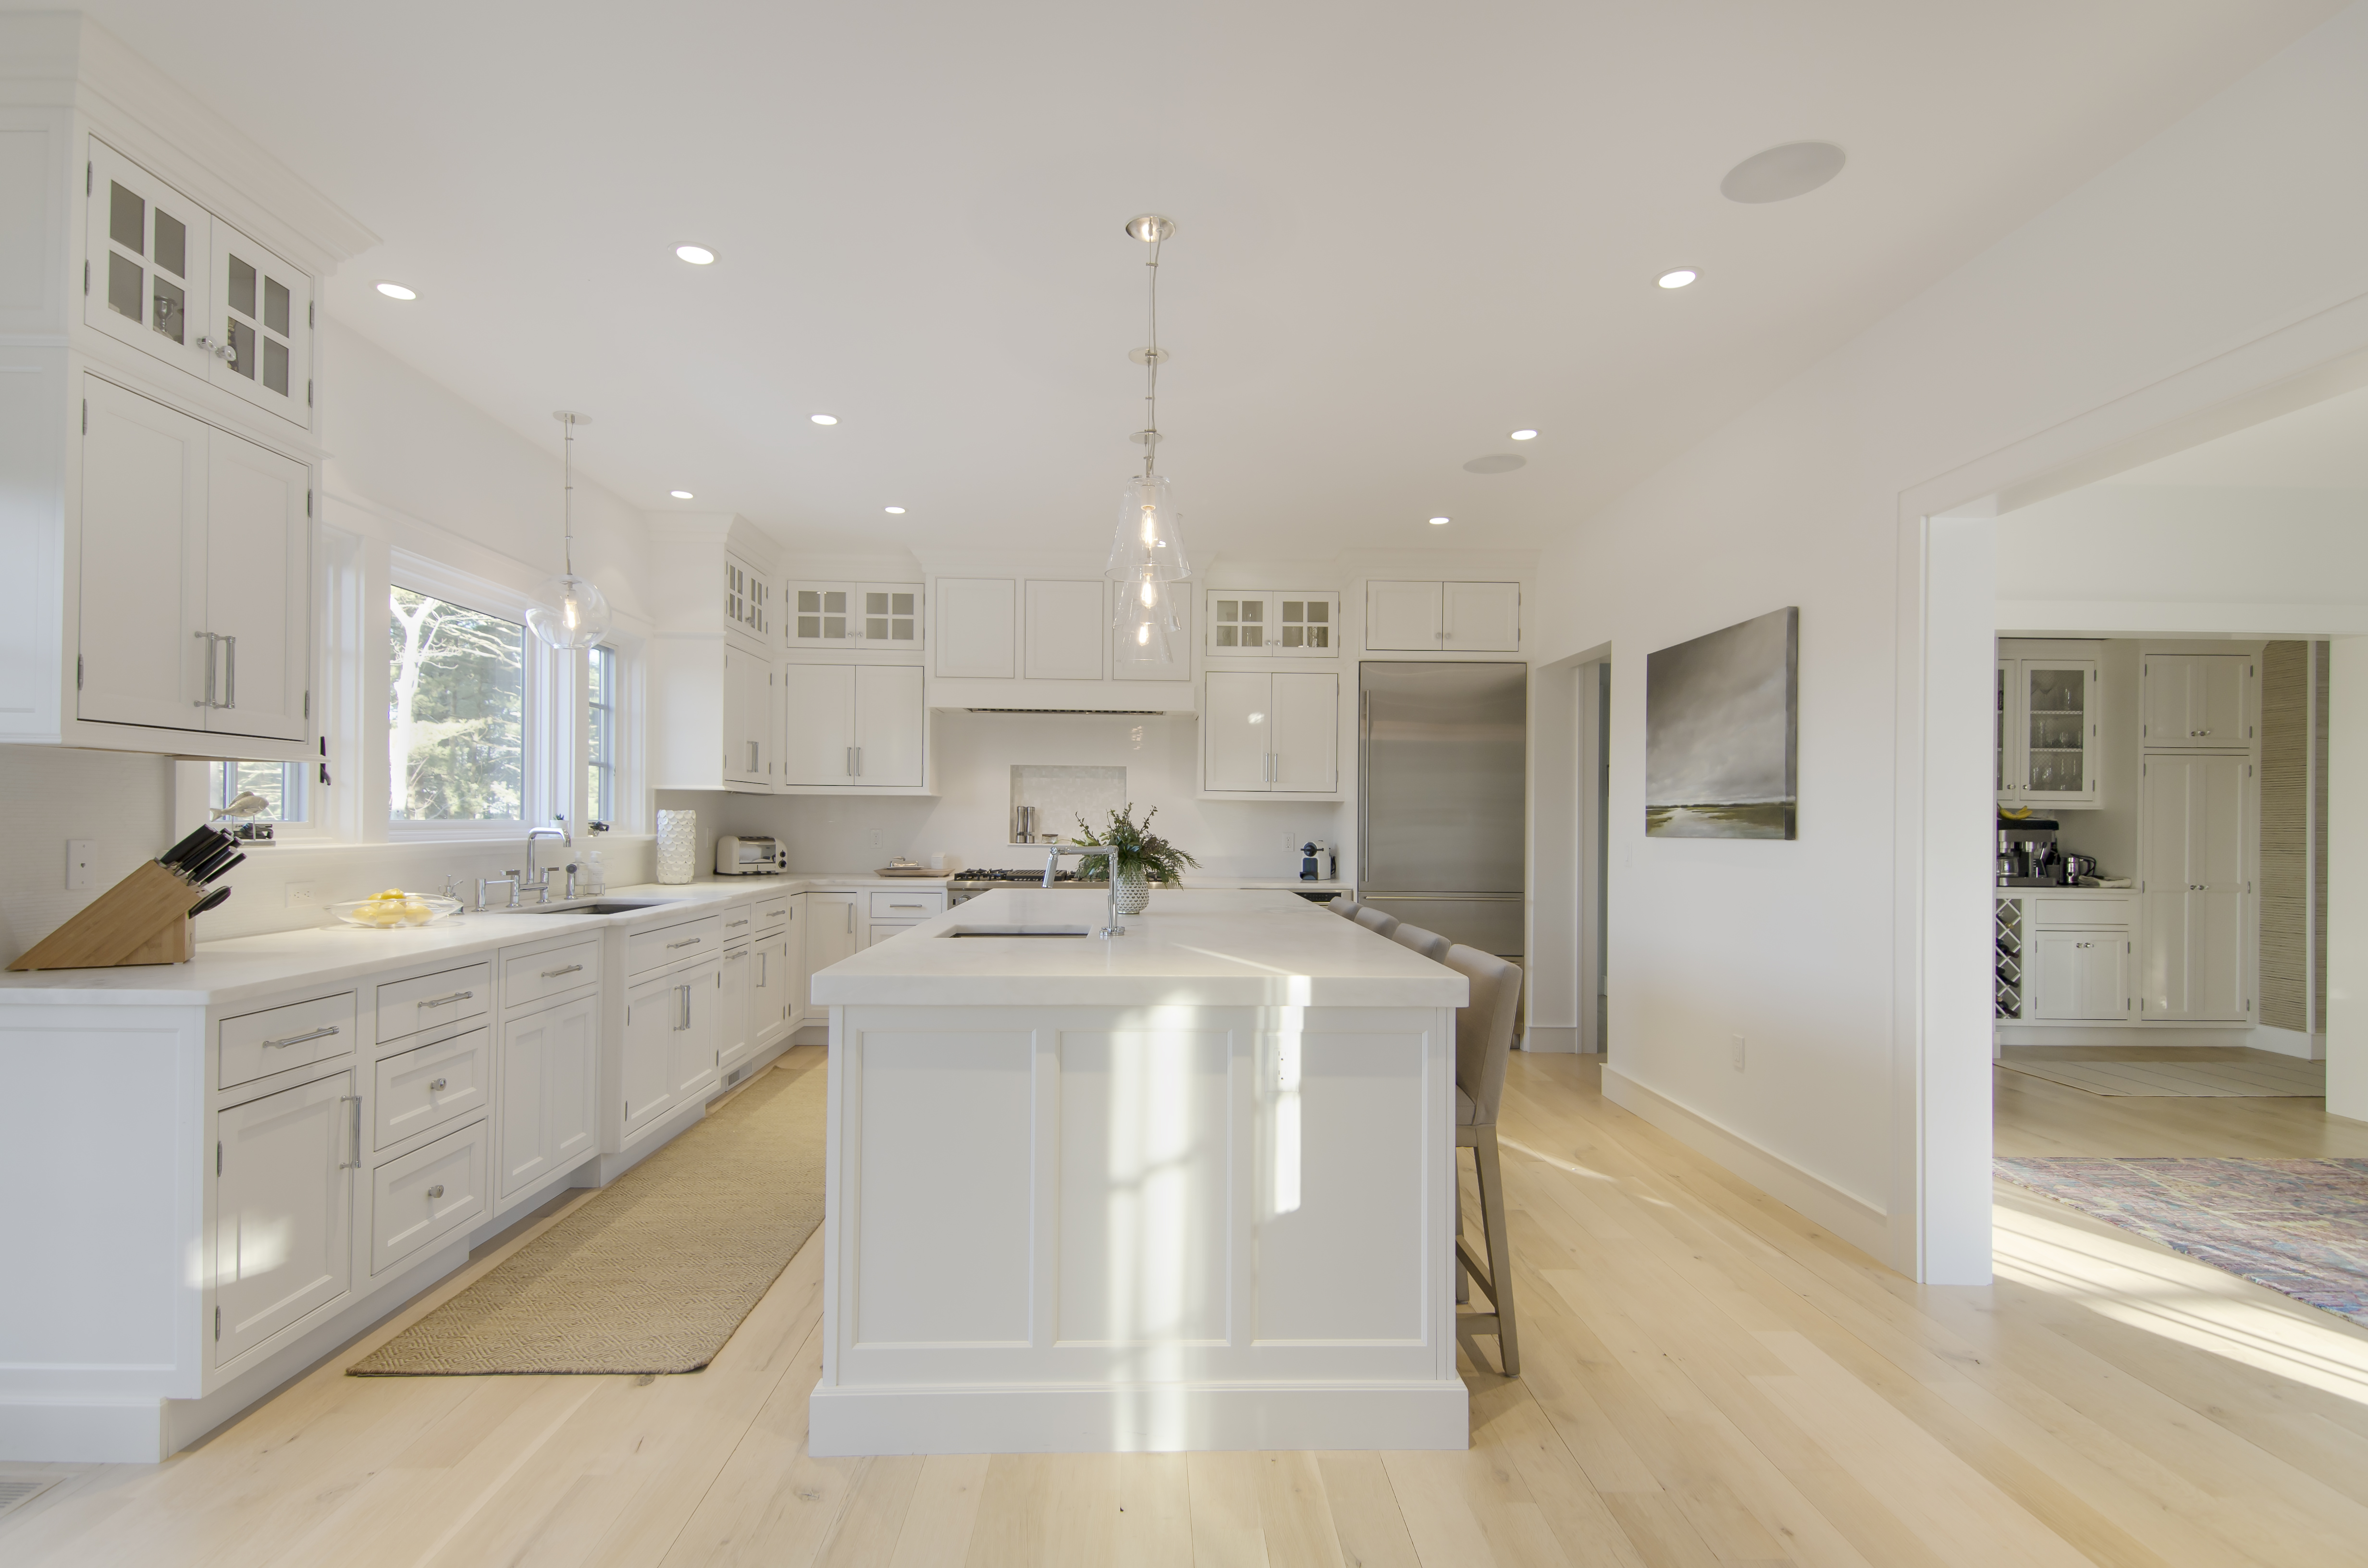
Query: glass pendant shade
<point>1150,536</point>
<point>574,613</point>
<point>1146,625</point>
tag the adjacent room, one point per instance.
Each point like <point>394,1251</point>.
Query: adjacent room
<point>1434,787</point>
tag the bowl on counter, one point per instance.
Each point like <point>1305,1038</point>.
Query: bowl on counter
<point>395,914</point>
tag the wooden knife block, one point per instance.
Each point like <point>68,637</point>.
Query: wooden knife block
<point>144,918</point>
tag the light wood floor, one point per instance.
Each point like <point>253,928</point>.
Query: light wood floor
<point>1709,1379</point>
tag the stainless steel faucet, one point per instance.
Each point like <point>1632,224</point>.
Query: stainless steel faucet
<point>1052,863</point>
<point>541,886</point>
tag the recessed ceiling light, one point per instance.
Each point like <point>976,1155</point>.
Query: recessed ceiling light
<point>679,494</point>
<point>698,255</point>
<point>894,511</point>
<point>1525,434</point>
<point>1680,279</point>
<point>397,291</point>
<point>1441,522</point>
<point>824,418</point>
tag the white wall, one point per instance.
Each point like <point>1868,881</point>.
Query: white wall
<point>2241,220</point>
<point>413,465</point>
<point>971,820</point>
<point>2347,879</point>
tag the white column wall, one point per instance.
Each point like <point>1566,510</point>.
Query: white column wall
<point>2347,879</point>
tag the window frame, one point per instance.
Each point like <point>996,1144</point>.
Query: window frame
<point>539,700</point>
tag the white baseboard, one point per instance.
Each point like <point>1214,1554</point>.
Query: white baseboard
<point>2174,1035</point>
<point>2289,1042</point>
<point>1552,1038</point>
<point>1857,1222</point>
<point>1151,1418</point>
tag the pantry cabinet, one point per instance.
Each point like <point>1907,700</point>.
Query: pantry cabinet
<point>550,1091</point>
<point>283,1209</point>
<point>1270,734</point>
<point>2197,701</point>
<point>196,577</point>
<point>2194,887</point>
<point>2047,732</point>
<point>854,726</point>
<point>1442,618</point>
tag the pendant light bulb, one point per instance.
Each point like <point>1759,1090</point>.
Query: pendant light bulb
<point>1150,535</point>
<point>1148,625</point>
<point>574,614</point>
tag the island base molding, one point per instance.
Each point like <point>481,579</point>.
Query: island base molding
<point>1152,1419</point>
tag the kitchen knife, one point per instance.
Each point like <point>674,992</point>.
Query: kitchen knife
<point>187,846</point>
<point>213,900</point>
<point>214,871</point>
<point>195,868</point>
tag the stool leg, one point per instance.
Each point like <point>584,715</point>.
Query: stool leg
<point>1500,1246</point>
<point>1463,1276</point>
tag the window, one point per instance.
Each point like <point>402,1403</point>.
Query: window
<point>455,720</point>
<point>279,783</point>
<point>601,735</point>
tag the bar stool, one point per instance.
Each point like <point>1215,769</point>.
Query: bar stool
<point>1484,1040</point>
<point>1429,944</point>
<point>1374,920</point>
<point>1346,908</point>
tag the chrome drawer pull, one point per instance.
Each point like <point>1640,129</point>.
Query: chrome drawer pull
<point>564,969</point>
<point>735,953</point>
<point>908,906</point>
<point>436,1192</point>
<point>690,942</point>
<point>300,1039</point>
<point>456,996</point>
<point>437,1085</point>
<point>733,925</point>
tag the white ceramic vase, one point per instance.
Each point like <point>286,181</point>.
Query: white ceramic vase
<point>677,845</point>
<point>1133,890</point>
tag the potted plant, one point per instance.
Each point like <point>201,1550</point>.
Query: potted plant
<point>1139,853</point>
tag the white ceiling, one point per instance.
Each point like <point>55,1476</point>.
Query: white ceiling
<point>2323,447</point>
<point>1405,230</point>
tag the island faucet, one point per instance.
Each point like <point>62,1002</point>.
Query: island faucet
<point>1053,853</point>
<point>541,886</point>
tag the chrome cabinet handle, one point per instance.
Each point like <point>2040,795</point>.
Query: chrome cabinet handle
<point>230,672</point>
<point>437,1085</point>
<point>736,954</point>
<point>563,969</point>
<point>686,1004</point>
<point>437,1192</point>
<point>207,700</point>
<point>908,906</point>
<point>440,1001</point>
<point>221,351</point>
<point>733,925</point>
<point>850,919</point>
<point>300,1039</point>
<point>687,942</point>
<point>850,762</point>
<point>356,1162</point>
<point>858,762</point>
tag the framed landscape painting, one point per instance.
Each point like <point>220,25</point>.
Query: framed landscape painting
<point>1722,732</point>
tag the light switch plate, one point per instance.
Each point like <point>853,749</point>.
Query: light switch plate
<point>302,895</point>
<point>1736,1042</point>
<point>80,853</point>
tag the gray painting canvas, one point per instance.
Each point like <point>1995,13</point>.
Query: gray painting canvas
<point>1722,724</point>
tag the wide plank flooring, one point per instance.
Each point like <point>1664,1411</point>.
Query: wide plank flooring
<point>1709,1379</point>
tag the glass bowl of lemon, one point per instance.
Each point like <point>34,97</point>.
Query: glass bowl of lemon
<point>395,909</point>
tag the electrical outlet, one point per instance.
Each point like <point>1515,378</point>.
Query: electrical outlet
<point>80,853</point>
<point>1735,1043</point>
<point>302,895</point>
<point>875,839</point>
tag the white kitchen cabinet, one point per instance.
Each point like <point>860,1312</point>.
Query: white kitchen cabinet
<point>889,615</point>
<point>653,1018</point>
<point>149,249</point>
<point>747,602</point>
<point>833,932</point>
<point>977,619</point>
<point>735,1023</point>
<point>2197,701</point>
<point>775,965</point>
<point>437,1190</point>
<point>752,718</point>
<point>885,616</point>
<point>2080,975</point>
<point>550,1078</point>
<point>1281,624</point>
<point>1066,629</point>
<point>196,577</point>
<point>283,1209</point>
<point>854,726</point>
<point>698,1044</point>
<point>1443,617</point>
<point>1271,732</point>
<point>2046,735</point>
<point>2194,886</point>
<point>262,317</point>
<point>877,931</point>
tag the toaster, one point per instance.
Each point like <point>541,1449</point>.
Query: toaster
<point>748,857</point>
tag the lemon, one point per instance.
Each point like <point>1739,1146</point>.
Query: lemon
<point>390,892</point>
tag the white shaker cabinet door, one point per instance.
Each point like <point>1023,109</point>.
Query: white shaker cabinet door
<point>1480,618</point>
<point>2192,870</point>
<point>149,249</point>
<point>2081,975</point>
<point>653,1018</point>
<point>145,655</point>
<point>283,1209</point>
<point>819,724</point>
<point>1402,617</point>
<point>831,934</point>
<point>892,722</point>
<point>263,318</point>
<point>1237,732</point>
<point>735,1024</point>
<point>1307,739</point>
<point>2197,701</point>
<point>698,1045</point>
<point>1065,629</point>
<point>549,1067</point>
<point>975,627</point>
<point>258,588</point>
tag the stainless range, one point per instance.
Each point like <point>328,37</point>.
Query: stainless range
<point>969,884</point>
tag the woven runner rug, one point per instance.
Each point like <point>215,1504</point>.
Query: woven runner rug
<point>655,1272</point>
<point>2297,1226</point>
<point>2260,1076</point>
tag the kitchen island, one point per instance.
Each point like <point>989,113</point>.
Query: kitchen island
<point>1187,1189</point>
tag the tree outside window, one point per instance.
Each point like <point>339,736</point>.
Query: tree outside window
<point>600,741</point>
<point>455,712</point>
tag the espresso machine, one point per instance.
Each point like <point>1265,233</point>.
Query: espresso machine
<point>2028,855</point>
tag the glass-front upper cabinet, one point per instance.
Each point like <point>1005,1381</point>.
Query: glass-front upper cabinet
<point>892,614</point>
<point>2048,728</point>
<point>1274,625</point>
<point>261,326</point>
<point>866,615</point>
<point>748,600</point>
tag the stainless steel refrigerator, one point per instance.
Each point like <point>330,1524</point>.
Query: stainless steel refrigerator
<point>1441,774</point>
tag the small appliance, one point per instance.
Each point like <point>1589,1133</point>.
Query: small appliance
<point>1315,861</point>
<point>2027,853</point>
<point>739,856</point>
<point>2075,867</point>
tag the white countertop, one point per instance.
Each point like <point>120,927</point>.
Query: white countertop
<point>2056,891</point>
<point>1191,948</point>
<point>247,967</point>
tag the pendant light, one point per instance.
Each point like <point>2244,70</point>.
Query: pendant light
<point>574,613</point>
<point>1149,544</point>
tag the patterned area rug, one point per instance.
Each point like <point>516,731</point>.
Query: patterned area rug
<point>2261,1075</point>
<point>653,1274</point>
<point>2297,1226</point>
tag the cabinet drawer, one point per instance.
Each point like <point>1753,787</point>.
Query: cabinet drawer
<point>276,1039</point>
<point>772,913</point>
<point>426,1195</point>
<point>432,1086</point>
<point>739,923</point>
<point>888,905</point>
<point>646,950</point>
<point>406,1006</point>
<point>529,977</point>
<point>878,931</point>
<point>2050,914</point>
